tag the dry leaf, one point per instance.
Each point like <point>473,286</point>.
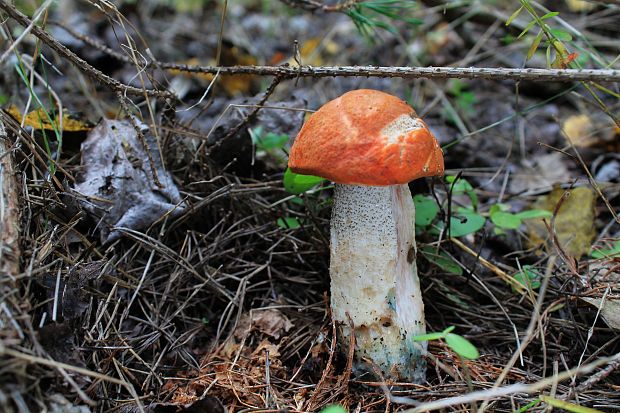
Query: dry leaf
<point>610,311</point>
<point>40,119</point>
<point>577,6</point>
<point>248,371</point>
<point>270,322</point>
<point>118,181</point>
<point>442,42</point>
<point>540,172</point>
<point>574,222</point>
<point>580,131</point>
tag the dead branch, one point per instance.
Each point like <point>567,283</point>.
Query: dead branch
<point>528,388</point>
<point>313,5</point>
<point>289,72</point>
<point>406,72</point>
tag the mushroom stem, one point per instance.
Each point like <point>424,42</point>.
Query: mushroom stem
<point>374,277</point>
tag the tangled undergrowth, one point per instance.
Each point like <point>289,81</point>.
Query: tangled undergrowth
<point>219,299</point>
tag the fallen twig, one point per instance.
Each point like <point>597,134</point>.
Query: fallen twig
<point>406,72</point>
<point>514,388</point>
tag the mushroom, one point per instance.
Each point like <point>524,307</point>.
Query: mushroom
<point>371,144</point>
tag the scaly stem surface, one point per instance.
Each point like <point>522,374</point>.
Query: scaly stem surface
<point>374,277</point>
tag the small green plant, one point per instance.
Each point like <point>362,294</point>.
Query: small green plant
<point>505,220</point>
<point>557,43</point>
<point>334,408</point>
<point>269,145</point>
<point>267,141</point>
<point>556,38</point>
<point>459,344</point>
<point>464,220</point>
<point>288,223</point>
<point>460,186</point>
<point>528,277</point>
<point>370,15</point>
<point>298,184</point>
<point>21,71</point>
<point>426,210</point>
<point>441,259</point>
<point>463,99</point>
<point>611,252</point>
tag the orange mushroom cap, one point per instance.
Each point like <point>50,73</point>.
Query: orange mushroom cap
<point>366,137</point>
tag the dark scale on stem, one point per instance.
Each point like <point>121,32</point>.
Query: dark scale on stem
<point>411,254</point>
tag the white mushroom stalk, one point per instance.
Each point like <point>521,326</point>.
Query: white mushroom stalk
<point>374,277</point>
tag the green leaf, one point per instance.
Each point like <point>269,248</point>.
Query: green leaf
<point>575,408</point>
<point>455,87</point>
<point>499,231</point>
<point>298,183</point>
<point>464,222</point>
<point>561,35</point>
<point>288,223</point>
<point>527,29</point>
<point>534,213</point>
<point>465,101</point>
<point>429,336</point>
<point>499,207</point>
<point>269,141</point>
<point>534,45</point>
<point>426,209</point>
<point>528,406</point>
<point>508,39</point>
<point>462,186</point>
<point>461,346</point>
<point>448,329</point>
<point>549,15</point>
<point>334,408</point>
<point>506,220</point>
<point>514,16</point>
<point>442,260</point>
<point>528,277</point>
<point>606,252</point>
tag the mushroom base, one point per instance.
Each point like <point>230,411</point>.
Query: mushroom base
<point>374,279</point>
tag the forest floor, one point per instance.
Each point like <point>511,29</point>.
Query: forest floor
<point>153,259</point>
